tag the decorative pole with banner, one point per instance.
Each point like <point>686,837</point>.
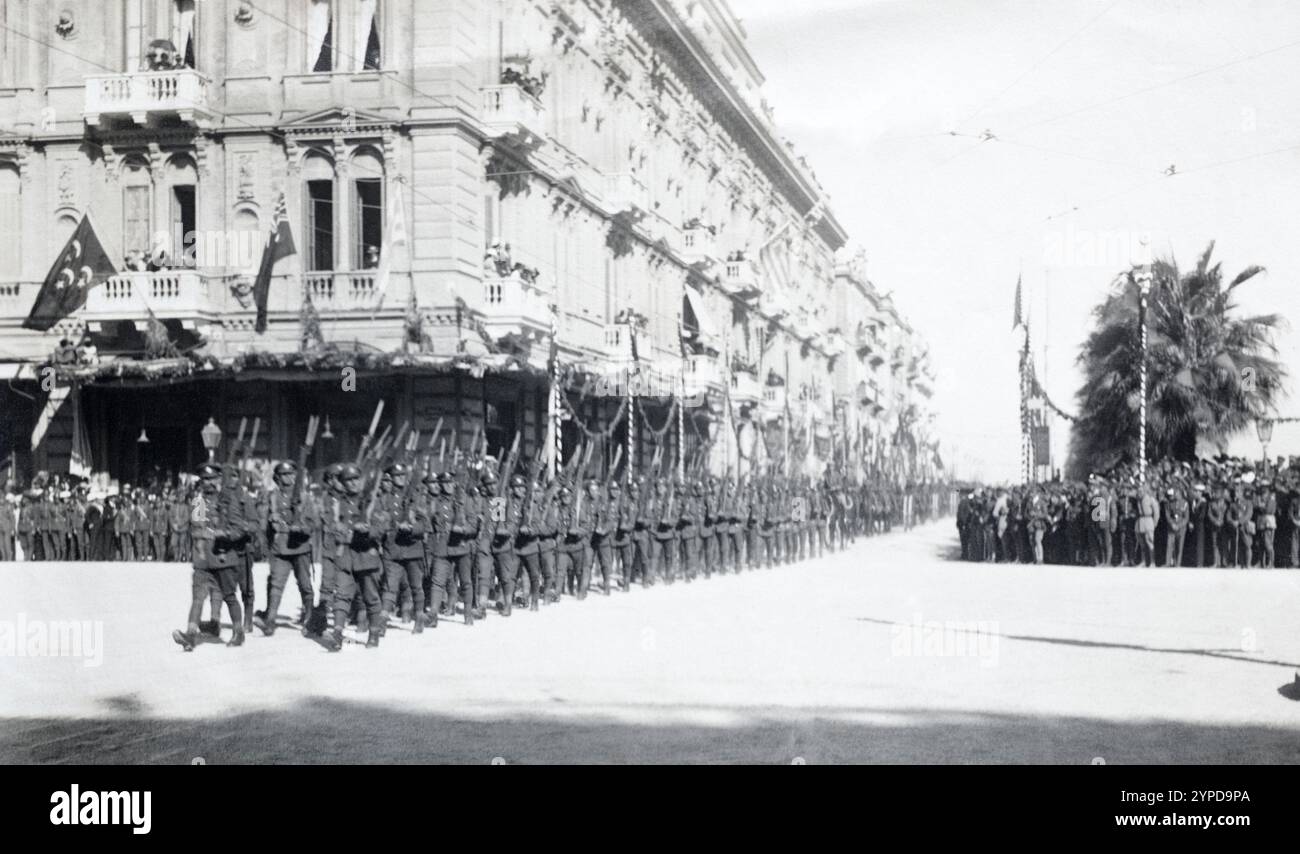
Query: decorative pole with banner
<point>1144,291</point>
<point>553,398</point>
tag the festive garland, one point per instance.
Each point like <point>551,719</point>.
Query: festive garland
<point>658,432</point>
<point>604,433</point>
<point>326,359</point>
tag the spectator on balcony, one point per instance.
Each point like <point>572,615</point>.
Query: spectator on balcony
<point>526,274</point>
<point>162,56</point>
<point>135,261</point>
<point>371,260</point>
<point>496,261</point>
<point>158,261</point>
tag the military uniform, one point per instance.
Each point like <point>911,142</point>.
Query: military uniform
<point>357,562</point>
<point>217,528</point>
<point>289,527</point>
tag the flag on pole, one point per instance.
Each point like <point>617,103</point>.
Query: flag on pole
<point>82,264</point>
<point>394,236</point>
<point>1019,319</point>
<point>279,245</point>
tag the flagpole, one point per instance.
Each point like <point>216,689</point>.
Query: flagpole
<point>1144,290</point>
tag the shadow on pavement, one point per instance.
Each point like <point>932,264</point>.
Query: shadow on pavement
<point>318,729</point>
<point>1232,655</point>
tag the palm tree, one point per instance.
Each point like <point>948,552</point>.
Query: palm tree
<point>1209,372</point>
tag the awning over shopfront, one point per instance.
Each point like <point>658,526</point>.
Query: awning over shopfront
<point>697,317</point>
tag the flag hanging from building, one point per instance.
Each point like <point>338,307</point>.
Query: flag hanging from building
<point>81,265</point>
<point>278,245</point>
<point>80,461</point>
<point>394,236</point>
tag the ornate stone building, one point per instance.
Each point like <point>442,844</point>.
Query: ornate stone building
<point>467,184</point>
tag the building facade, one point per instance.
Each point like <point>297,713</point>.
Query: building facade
<point>472,189</point>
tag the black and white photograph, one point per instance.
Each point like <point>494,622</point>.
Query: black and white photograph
<point>641,382</point>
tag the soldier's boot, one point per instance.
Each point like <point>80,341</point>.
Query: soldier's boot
<point>236,639</point>
<point>418,626</point>
<point>507,600</point>
<point>334,643</point>
<point>534,598</point>
<point>210,627</point>
<point>373,640</point>
<point>269,616</point>
<point>248,619</point>
<point>187,639</point>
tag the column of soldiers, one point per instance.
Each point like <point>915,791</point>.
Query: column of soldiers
<point>1225,513</point>
<point>401,538</point>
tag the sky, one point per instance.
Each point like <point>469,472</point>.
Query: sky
<point>1090,101</point>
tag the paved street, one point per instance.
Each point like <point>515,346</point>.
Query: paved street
<point>886,653</point>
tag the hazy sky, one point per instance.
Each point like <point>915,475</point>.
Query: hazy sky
<point>1090,101</point>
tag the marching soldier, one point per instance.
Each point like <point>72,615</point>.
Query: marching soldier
<point>622,520</point>
<point>504,514</point>
<point>289,526</point>
<point>661,518</point>
<point>1216,517</point>
<point>602,547</point>
<point>216,529</point>
<point>358,563</point>
<point>403,546</point>
<point>572,545</point>
<point>326,516</point>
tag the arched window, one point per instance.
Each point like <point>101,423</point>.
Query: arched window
<point>11,224</point>
<point>367,172</point>
<point>318,219</point>
<point>137,199</point>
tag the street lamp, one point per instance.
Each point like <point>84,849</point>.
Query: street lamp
<point>1264,429</point>
<point>211,435</point>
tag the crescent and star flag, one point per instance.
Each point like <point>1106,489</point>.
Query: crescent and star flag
<point>81,265</point>
<point>279,245</point>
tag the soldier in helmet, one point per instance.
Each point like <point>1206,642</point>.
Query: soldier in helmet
<point>636,553</point>
<point>661,522</point>
<point>326,514</point>
<point>437,510</point>
<point>620,514</point>
<point>403,547</point>
<point>216,529</point>
<point>289,526</point>
<point>504,514</point>
<point>359,564</point>
<point>596,508</point>
<point>572,543</point>
<point>688,528</point>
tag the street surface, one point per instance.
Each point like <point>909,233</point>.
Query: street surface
<point>889,652</point>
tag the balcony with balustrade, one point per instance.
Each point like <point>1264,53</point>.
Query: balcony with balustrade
<point>146,97</point>
<point>509,111</point>
<point>740,278</point>
<point>773,403</point>
<point>703,372</point>
<point>183,295</point>
<point>699,246</point>
<point>510,303</point>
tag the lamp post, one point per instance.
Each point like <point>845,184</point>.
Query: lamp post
<point>211,435</point>
<point>1143,277</point>
<point>140,444</point>
<point>1264,429</point>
